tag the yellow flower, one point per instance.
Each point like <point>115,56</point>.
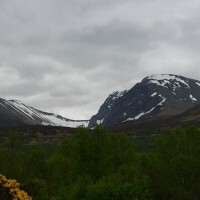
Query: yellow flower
<point>9,187</point>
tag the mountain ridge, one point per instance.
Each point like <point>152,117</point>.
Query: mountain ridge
<point>16,113</point>
<point>156,95</point>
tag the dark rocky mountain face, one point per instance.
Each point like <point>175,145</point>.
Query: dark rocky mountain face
<point>156,96</point>
<point>15,113</point>
<point>154,126</point>
<point>105,108</point>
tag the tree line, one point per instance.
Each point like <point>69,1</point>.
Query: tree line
<point>101,165</point>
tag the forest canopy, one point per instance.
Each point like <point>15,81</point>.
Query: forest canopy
<point>102,165</point>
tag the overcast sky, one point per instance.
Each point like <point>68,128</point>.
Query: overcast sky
<point>67,56</point>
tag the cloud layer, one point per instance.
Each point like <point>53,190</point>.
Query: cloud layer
<point>67,56</point>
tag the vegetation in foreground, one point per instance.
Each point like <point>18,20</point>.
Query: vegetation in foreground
<point>100,165</point>
<point>10,189</point>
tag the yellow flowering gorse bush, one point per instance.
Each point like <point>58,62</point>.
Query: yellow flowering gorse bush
<point>9,190</point>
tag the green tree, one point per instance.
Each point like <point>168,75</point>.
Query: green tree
<point>177,165</point>
<point>11,154</point>
<point>35,164</point>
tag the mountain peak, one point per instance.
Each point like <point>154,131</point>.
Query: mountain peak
<point>162,77</point>
<point>157,95</point>
<point>117,94</point>
<point>169,80</point>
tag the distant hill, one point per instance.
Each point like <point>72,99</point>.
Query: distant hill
<point>156,96</point>
<point>16,113</point>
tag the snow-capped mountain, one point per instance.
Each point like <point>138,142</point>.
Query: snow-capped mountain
<point>154,96</point>
<point>14,113</point>
<point>106,107</point>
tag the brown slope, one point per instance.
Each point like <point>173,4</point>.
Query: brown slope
<point>37,134</point>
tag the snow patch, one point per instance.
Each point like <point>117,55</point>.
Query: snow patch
<point>100,121</point>
<point>198,83</point>
<point>165,78</point>
<point>46,119</point>
<point>144,113</point>
<point>22,108</point>
<point>117,94</point>
<point>158,83</point>
<point>192,98</point>
<point>3,105</point>
<point>140,115</point>
<point>163,100</point>
<point>176,85</point>
<point>182,81</point>
<point>161,77</point>
<point>154,94</point>
<point>55,120</point>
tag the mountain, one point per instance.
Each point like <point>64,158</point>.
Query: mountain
<point>161,95</point>
<point>106,108</point>
<point>150,127</point>
<point>15,113</point>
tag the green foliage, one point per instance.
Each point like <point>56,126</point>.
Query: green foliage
<point>10,154</point>
<point>35,164</point>
<point>38,189</point>
<point>111,187</point>
<point>176,167</point>
<point>97,164</point>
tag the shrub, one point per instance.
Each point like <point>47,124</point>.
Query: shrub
<point>9,190</point>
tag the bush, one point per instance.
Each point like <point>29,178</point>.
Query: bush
<point>9,190</point>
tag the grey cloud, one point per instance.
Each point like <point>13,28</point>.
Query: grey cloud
<point>67,56</point>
